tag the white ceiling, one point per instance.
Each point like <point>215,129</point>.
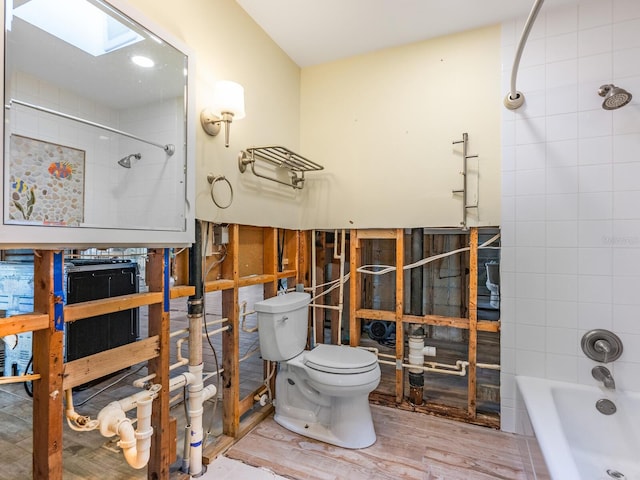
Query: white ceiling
<point>318,31</point>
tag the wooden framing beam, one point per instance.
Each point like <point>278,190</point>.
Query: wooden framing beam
<point>100,364</point>
<point>27,322</point>
<point>473,323</point>
<point>103,306</point>
<point>47,361</point>
<point>231,339</point>
<point>399,313</point>
<point>159,326</point>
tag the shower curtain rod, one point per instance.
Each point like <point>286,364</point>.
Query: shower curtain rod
<point>169,148</point>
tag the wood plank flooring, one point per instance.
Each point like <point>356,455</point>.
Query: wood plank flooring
<point>409,446</point>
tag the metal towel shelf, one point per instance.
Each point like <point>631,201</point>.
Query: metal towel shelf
<point>279,157</point>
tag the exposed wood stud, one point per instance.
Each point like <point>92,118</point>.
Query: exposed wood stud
<point>48,362</point>
<point>159,326</point>
<point>473,321</point>
<point>399,312</point>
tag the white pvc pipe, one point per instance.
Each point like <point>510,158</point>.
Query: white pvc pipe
<point>135,444</point>
<point>196,411</point>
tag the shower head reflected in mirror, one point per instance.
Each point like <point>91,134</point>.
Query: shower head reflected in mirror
<point>126,161</point>
<point>614,97</point>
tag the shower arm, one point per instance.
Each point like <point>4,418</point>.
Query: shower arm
<point>514,98</point>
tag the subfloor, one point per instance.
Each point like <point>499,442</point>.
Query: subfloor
<point>411,446</point>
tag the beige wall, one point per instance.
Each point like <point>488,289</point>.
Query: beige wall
<point>228,45</point>
<point>382,124</point>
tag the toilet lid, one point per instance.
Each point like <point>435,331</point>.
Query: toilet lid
<point>340,359</point>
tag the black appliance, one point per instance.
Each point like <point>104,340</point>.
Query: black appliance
<point>90,279</point>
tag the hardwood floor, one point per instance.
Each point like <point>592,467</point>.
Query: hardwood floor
<point>409,446</point>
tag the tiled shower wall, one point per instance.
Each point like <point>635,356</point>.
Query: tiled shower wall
<point>570,196</point>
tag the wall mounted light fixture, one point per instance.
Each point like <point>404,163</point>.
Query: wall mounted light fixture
<point>228,104</point>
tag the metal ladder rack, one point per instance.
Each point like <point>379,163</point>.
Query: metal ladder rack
<point>279,157</point>
<point>465,157</point>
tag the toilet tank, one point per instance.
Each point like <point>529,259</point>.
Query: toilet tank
<point>283,325</point>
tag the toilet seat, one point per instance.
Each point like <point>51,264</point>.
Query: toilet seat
<point>340,359</point>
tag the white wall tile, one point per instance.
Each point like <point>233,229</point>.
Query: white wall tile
<point>595,261</point>
<point>594,315</point>
<point>625,234</point>
<point>624,10</point>
<point>626,262</point>
<point>562,180</point>
<point>626,319</point>
<point>530,182</point>
<point>530,208</point>
<point>562,206</point>
<point>531,363</point>
<point>530,285</point>
<point>626,119</point>
<point>562,261</point>
<point>530,130</point>
<point>595,288</point>
<point>534,53</point>
<point>562,287</point>
<point>595,206</point>
<point>562,314</point>
<point>562,47</point>
<point>625,63</point>
<point>563,368</point>
<point>594,123</point>
<point>625,34</point>
<point>626,148</point>
<point>562,20</point>
<point>531,79</point>
<point>530,234</point>
<point>595,150</point>
<point>627,376</point>
<point>507,211</point>
<point>595,178</point>
<point>625,176</point>
<point>594,69</point>
<point>562,100</point>
<point>595,41</point>
<point>561,127</point>
<point>593,14</point>
<point>563,153</point>
<point>594,233</point>
<point>625,290</point>
<point>531,156</point>
<point>562,234</point>
<point>530,311</point>
<point>561,341</point>
<point>631,350</point>
<point>625,204</point>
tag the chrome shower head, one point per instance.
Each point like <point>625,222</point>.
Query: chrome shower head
<point>126,161</point>
<point>614,97</point>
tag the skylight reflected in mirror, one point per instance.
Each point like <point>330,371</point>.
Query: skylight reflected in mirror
<point>78,23</point>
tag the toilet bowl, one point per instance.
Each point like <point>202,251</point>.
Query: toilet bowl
<point>321,393</point>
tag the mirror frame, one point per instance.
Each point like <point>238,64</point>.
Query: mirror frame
<point>54,237</point>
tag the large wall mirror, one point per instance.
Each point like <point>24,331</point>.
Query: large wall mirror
<point>95,125</point>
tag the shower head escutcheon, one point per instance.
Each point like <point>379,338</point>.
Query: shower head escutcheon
<point>614,97</point>
<point>126,161</point>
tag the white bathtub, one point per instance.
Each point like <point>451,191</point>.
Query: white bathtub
<point>577,441</point>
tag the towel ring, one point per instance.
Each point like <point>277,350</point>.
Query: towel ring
<point>213,179</point>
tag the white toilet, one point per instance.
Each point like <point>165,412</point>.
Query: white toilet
<point>322,393</point>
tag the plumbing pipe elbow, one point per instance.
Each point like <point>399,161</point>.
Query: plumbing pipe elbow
<point>135,445</point>
<point>110,418</point>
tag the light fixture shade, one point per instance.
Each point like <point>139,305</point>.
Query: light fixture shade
<point>228,97</point>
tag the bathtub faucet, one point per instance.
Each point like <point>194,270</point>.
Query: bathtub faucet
<point>602,374</point>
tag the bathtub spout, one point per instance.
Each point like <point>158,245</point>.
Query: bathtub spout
<point>602,374</point>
